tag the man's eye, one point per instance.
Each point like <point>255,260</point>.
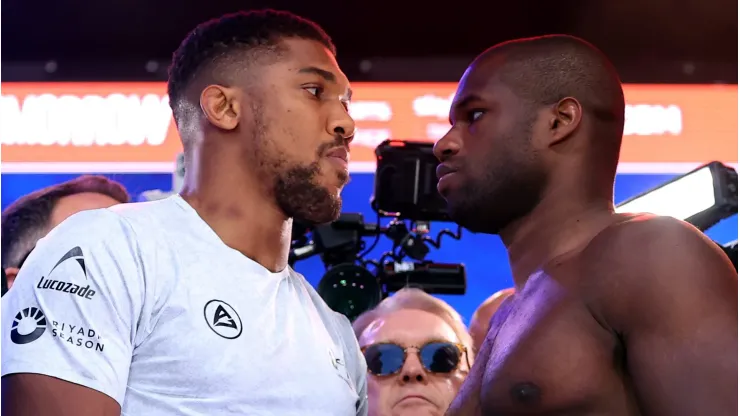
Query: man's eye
<point>474,115</point>
<point>315,91</point>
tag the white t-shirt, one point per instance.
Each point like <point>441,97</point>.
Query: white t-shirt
<point>145,303</point>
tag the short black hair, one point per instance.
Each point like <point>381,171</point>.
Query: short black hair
<point>546,69</point>
<point>27,219</point>
<point>216,41</point>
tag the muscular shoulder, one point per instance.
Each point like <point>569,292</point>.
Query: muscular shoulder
<point>149,219</point>
<point>91,228</point>
<point>649,262</point>
<point>115,233</point>
<point>113,247</point>
<point>651,243</point>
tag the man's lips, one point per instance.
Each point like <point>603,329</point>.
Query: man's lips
<point>443,170</point>
<point>339,153</point>
<point>414,397</point>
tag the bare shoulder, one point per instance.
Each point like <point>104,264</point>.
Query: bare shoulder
<point>646,261</point>
<point>670,294</point>
<point>651,243</point>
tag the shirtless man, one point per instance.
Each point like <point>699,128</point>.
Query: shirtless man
<point>613,314</point>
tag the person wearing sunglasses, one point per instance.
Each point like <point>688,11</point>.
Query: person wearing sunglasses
<point>418,353</point>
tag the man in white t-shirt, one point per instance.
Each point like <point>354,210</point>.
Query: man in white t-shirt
<point>186,306</point>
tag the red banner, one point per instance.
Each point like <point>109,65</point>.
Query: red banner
<point>128,126</point>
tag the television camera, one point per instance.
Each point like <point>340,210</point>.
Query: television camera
<point>405,191</point>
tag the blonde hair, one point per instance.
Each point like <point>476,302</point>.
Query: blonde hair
<point>412,298</point>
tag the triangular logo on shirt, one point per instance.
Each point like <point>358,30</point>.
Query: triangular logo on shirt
<point>222,318</point>
<point>75,253</point>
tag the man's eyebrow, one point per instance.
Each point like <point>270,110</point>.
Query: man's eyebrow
<point>464,102</point>
<point>327,75</point>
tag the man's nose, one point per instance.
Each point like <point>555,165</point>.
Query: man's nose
<point>342,125</point>
<point>412,371</point>
<point>448,146</point>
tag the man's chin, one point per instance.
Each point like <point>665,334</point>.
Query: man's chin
<point>467,216</point>
<point>320,215</point>
<point>335,186</point>
<point>315,221</point>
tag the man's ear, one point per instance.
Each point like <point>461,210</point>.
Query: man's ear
<point>564,119</point>
<point>221,106</point>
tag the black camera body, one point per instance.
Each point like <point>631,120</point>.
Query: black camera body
<point>406,190</point>
<point>406,182</point>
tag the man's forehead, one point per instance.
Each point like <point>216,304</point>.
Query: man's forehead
<point>305,53</point>
<point>309,57</point>
<point>407,327</point>
<point>480,83</point>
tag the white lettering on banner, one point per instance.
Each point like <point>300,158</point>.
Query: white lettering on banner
<point>640,119</point>
<point>430,105</point>
<point>371,110</point>
<point>92,120</point>
<point>648,120</point>
<point>370,137</point>
<point>119,119</point>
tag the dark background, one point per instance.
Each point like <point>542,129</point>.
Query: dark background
<point>672,41</point>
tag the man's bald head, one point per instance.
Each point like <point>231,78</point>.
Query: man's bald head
<point>529,115</point>
<point>481,320</point>
<point>546,69</point>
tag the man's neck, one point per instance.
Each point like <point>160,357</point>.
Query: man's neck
<point>556,227</point>
<point>240,211</point>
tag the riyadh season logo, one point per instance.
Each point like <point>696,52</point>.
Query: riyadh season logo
<point>31,323</point>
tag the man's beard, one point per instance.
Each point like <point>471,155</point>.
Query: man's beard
<point>301,197</point>
<point>490,206</point>
<point>296,187</point>
<point>491,201</point>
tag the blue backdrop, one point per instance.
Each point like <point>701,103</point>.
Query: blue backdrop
<point>483,255</point>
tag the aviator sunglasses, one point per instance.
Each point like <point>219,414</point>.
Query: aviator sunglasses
<point>385,359</point>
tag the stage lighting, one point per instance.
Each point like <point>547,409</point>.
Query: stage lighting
<point>702,197</point>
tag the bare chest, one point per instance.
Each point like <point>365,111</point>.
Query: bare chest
<point>547,355</point>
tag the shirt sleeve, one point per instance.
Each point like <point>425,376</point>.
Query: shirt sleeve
<point>355,364</point>
<point>73,309</point>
